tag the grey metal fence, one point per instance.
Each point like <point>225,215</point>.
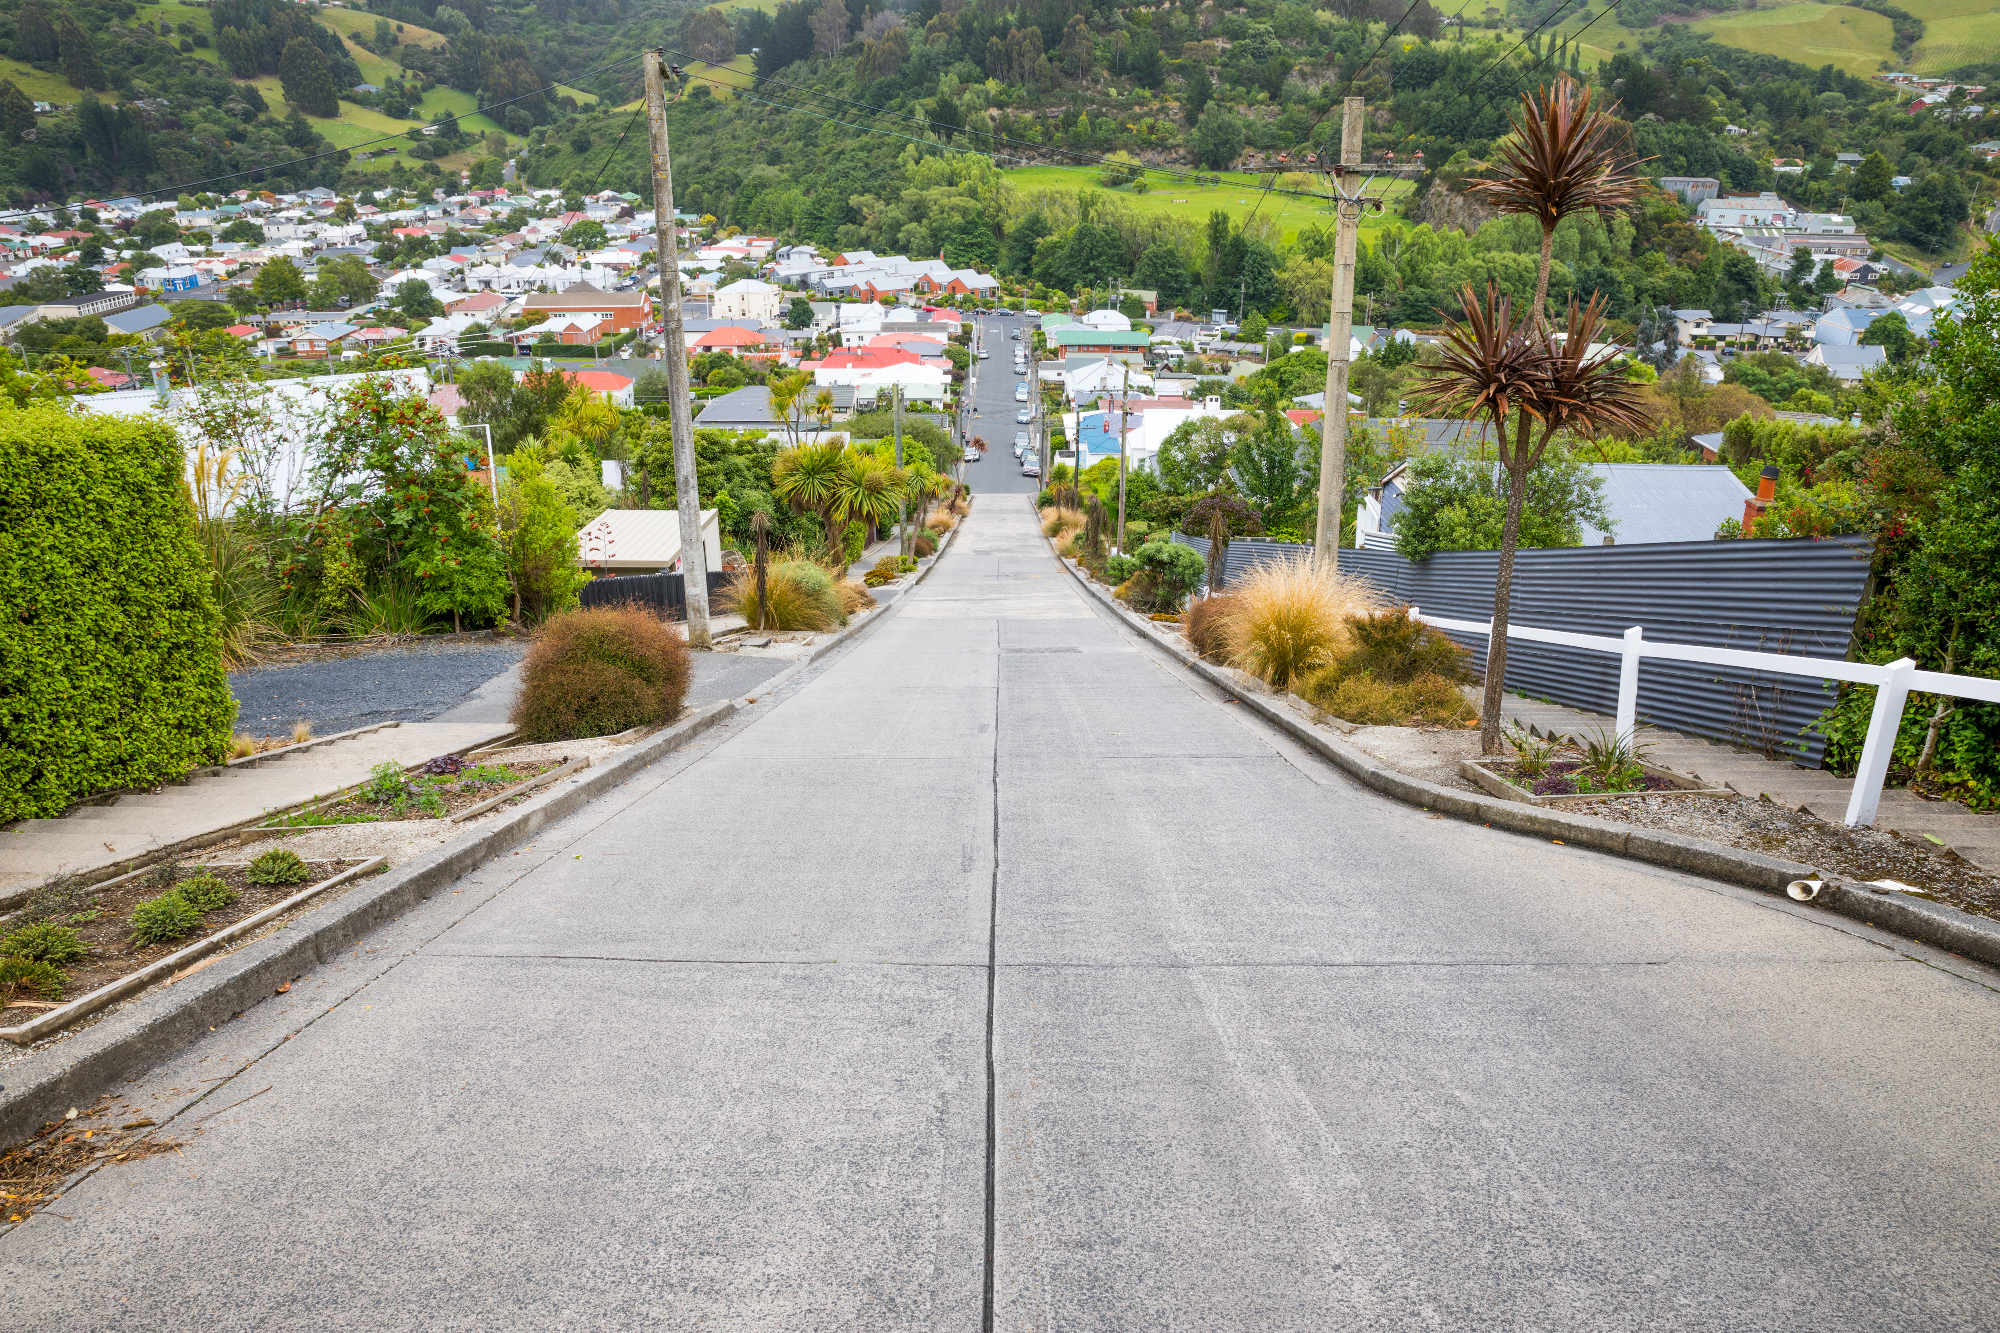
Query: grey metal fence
<point>1798,596</point>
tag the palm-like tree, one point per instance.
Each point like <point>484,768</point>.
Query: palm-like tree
<point>1564,157</point>
<point>869,490</point>
<point>807,477</point>
<point>1492,367</point>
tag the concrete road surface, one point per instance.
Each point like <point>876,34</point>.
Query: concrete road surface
<point>996,975</point>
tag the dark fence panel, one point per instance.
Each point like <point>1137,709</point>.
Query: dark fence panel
<point>1798,597</point>
<point>665,593</point>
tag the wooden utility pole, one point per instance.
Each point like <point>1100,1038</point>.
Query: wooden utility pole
<point>1124,396</point>
<point>1340,331</point>
<point>902,501</point>
<point>694,555</point>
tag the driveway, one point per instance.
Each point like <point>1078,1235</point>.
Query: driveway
<point>997,975</point>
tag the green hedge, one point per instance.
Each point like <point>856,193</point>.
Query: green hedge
<point>111,661</point>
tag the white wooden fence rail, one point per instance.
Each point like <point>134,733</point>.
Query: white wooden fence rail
<point>1892,683</point>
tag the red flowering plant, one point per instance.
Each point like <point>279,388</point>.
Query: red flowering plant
<point>397,502</point>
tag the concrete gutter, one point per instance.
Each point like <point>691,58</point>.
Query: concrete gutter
<point>75,1070</point>
<point>1914,917</point>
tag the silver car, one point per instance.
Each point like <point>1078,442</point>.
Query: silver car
<point>1020,439</point>
<point>1024,416</point>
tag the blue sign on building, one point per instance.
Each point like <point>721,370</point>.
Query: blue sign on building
<point>187,284</point>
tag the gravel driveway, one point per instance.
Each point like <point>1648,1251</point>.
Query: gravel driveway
<point>421,682</point>
<point>412,684</point>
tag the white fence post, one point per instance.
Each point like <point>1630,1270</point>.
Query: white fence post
<point>1890,696</point>
<point>1628,683</point>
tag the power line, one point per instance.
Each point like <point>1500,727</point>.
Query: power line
<point>1347,88</point>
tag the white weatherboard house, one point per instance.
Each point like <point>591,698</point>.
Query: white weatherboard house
<point>748,298</point>
<point>643,541</point>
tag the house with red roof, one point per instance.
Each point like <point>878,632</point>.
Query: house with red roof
<point>616,387</point>
<point>729,338</point>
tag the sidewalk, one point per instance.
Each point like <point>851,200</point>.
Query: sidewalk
<point>1973,835</point>
<point>99,838</point>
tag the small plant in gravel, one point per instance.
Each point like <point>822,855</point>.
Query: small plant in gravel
<point>43,942</point>
<point>442,766</point>
<point>887,568</point>
<point>30,975</point>
<point>206,892</point>
<point>278,866</point>
<point>1613,759</point>
<point>167,917</point>
<point>1531,757</point>
<point>386,785</point>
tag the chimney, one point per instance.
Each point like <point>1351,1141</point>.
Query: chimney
<point>1767,491</point>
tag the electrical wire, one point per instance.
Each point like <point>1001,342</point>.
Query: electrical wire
<point>1341,100</point>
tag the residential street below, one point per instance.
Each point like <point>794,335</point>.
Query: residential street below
<point>997,973</point>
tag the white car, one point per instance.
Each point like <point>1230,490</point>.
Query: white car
<point>1021,393</point>
<point>983,354</point>
<point>1020,440</point>
<point>971,456</point>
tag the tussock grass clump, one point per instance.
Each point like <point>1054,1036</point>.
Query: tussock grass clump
<point>854,596</point>
<point>1070,546</point>
<point>923,544</point>
<point>1427,701</point>
<point>798,595</point>
<point>278,866</point>
<point>1288,621</point>
<point>1204,625</point>
<point>1390,646</point>
<point>941,522</point>
<point>600,671</point>
<point>1056,520</point>
<point>43,942</point>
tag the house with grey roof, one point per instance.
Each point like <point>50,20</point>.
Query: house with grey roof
<point>1848,363</point>
<point>147,320</point>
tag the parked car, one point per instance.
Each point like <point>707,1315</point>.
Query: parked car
<point>1021,392</point>
<point>1020,439</point>
<point>1024,416</point>
<point>983,354</point>
<point>1015,335</point>
<point>1030,467</point>
<point>1004,313</point>
<point>972,456</point>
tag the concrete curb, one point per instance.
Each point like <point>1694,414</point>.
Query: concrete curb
<point>1916,918</point>
<point>77,1069</point>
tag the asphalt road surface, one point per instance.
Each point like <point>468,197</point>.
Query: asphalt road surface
<point>993,409</point>
<point>998,975</point>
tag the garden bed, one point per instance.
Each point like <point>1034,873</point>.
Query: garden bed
<point>440,789</point>
<point>111,931</point>
<point>1858,854</point>
<point>1565,781</point>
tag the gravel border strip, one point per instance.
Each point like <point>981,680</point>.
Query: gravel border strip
<point>1916,918</point>
<point>82,1066</point>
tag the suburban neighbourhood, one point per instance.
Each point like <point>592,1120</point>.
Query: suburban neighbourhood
<point>1233,665</point>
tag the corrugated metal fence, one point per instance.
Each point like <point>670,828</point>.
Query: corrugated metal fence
<point>665,593</point>
<point>1798,597</point>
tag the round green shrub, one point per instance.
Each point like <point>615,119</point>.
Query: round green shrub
<point>205,893</point>
<point>278,866</point>
<point>600,671</point>
<point>43,942</point>
<point>167,917</point>
<point>31,975</point>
